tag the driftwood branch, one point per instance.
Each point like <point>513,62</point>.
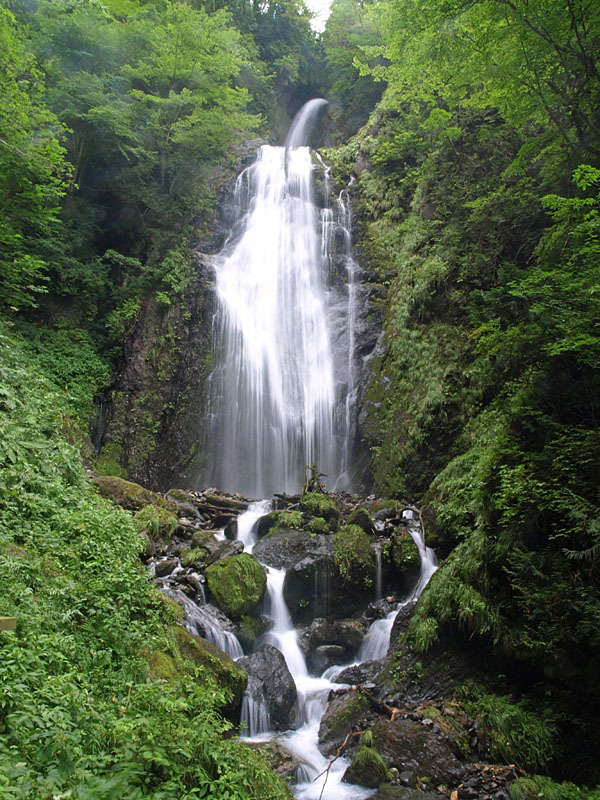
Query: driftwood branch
<point>339,752</point>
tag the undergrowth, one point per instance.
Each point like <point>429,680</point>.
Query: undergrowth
<point>81,714</point>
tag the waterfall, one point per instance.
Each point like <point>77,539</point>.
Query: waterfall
<point>377,639</point>
<point>280,388</point>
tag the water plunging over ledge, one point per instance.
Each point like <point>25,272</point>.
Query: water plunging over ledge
<point>281,388</point>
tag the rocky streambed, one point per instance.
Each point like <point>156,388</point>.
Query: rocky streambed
<point>346,564</point>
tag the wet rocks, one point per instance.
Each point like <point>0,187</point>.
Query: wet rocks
<point>410,746</point>
<point>267,666</point>
<point>347,711</point>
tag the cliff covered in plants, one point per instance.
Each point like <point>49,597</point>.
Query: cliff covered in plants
<point>477,188</point>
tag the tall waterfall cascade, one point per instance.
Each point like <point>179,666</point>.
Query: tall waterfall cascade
<point>283,384</point>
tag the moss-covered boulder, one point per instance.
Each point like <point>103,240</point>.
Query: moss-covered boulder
<point>316,504</point>
<point>368,768</point>
<point>317,525</point>
<point>354,557</point>
<point>220,669</point>
<point>131,495</point>
<point>361,517</point>
<point>237,584</point>
<point>343,712</point>
<point>404,552</point>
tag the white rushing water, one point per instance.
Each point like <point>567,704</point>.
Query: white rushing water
<point>280,385</point>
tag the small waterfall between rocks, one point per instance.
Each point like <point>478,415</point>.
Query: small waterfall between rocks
<point>282,387</point>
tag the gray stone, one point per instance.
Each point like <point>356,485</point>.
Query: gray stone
<point>267,666</point>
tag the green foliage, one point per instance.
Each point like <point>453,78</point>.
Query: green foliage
<point>320,505</point>
<point>81,713</point>
<point>32,171</point>
<point>354,556</point>
<point>289,520</point>
<point>155,521</point>
<point>237,584</point>
<point>531,787</point>
<point>317,525</point>
<point>513,733</point>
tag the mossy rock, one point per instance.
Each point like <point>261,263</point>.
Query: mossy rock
<point>156,521</point>
<point>317,525</point>
<point>361,517</point>
<point>131,495</point>
<point>368,768</point>
<point>220,669</point>
<point>342,713</point>
<point>179,496</point>
<point>202,539</point>
<point>320,505</point>
<point>249,630</point>
<point>354,556</point>
<point>289,520</point>
<point>224,501</point>
<point>174,611</point>
<point>266,524</point>
<point>404,552</point>
<point>237,584</point>
<point>109,461</point>
<point>162,666</point>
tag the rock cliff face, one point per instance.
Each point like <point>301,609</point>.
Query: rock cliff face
<point>156,404</point>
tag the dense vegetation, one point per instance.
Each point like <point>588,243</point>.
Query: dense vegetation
<point>478,180</point>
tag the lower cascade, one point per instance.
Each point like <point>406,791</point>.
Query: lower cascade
<point>317,778</point>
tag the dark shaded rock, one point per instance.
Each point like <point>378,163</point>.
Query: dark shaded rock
<point>281,761</point>
<point>187,510</point>
<point>285,548</point>
<point>401,623</point>
<point>165,567</point>
<point>346,711</point>
<point>361,517</point>
<point>325,656</point>
<point>360,674</point>
<point>347,633</point>
<point>267,666</point>
<point>231,529</point>
<point>412,747</point>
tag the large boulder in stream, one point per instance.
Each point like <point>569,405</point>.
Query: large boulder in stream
<point>313,586</point>
<point>237,584</point>
<point>267,666</point>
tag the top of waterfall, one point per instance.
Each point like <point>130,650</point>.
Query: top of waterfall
<point>304,122</point>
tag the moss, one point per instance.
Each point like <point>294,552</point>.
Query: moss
<point>404,551</point>
<point>361,517</point>
<point>198,554</point>
<point>179,496</point>
<point>351,713</point>
<point>318,525</point>
<point>354,556</point>
<point>157,522</point>
<point>237,584</point>
<point>162,666</point>
<point>174,612</point>
<point>130,495</point>
<point>218,667</point>
<point>249,630</point>
<point>289,520</point>
<point>320,505</point>
<point>109,461</point>
<point>367,769</point>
